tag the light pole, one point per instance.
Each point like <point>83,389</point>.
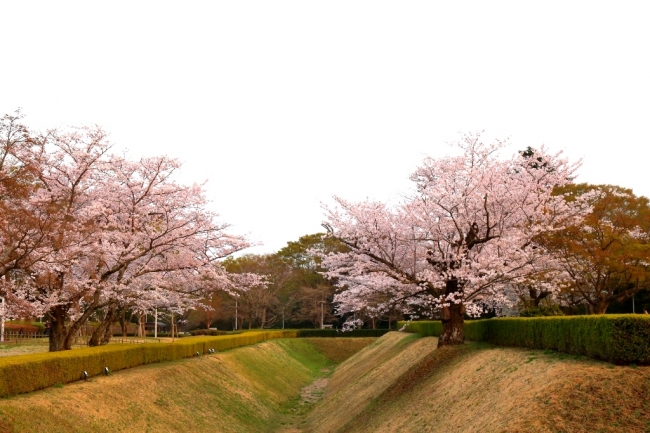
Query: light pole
<point>236,315</point>
<point>2,319</point>
<point>321,314</point>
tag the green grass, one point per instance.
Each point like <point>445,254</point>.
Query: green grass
<point>252,389</point>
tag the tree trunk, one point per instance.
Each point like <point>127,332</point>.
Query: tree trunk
<point>123,323</point>
<point>141,319</point>
<point>108,332</point>
<point>601,308</point>
<point>58,331</point>
<point>103,333</point>
<point>95,338</point>
<point>452,319</point>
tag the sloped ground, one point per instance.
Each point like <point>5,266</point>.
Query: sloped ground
<point>398,383</point>
<point>244,390</point>
<point>402,384</point>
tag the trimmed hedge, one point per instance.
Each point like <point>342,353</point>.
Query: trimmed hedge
<point>213,332</point>
<point>621,338</point>
<point>306,333</point>
<point>426,328</point>
<point>18,327</point>
<point>26,373</point>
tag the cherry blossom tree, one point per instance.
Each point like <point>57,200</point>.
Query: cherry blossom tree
<point>465,236</point>
<point>24,222</point>
<point>94,233</point>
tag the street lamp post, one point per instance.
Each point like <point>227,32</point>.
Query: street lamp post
<point>236,324</point>
<point>2,319</point>
<point>321,314</point>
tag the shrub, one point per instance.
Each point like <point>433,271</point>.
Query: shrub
<point>212,332</point>
<point>622,339</point>
<point>541,311</point>
<point>306,333</point>
<point>426,328</point>
<point>25,373</point>
<point>20,327</point>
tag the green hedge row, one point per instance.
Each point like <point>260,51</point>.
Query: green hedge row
<point>21,328</point>
<point>33,327</point>
<point>212,332</point>
<point>622,339</point>
<point>25,373</point>
<point>306,333</point>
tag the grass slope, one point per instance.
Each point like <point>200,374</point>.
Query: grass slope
<point>403,384</point>
<point>397,383</point>
<point>249,389</point>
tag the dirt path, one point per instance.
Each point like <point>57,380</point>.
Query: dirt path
<point>313,392</point>
<point>309,396</point>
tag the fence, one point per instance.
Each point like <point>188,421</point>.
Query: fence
<point>23,338</point>
<point>17,338</point>
<point>122,340</point>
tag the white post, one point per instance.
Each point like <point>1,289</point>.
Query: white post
<point>2,319</point>
<point>155,325</point>
<point>236,316</point>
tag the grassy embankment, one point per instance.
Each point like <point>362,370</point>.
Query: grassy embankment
<point>399,383</point>
<point>249,389</point>
<point>478,387</point>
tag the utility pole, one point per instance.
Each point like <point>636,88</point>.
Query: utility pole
<point>155,324</point>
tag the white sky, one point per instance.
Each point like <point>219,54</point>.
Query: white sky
<point>282,104</point>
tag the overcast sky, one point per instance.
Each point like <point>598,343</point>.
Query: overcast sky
<point>282,104</point>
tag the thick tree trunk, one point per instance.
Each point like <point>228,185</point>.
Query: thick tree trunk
<point>601,308</point>
<point>62,334</point>
<point>95,337</point>
<point>452,319</point>
<point>108,333</point>
<point>102,334</point>
<point>58,331</point>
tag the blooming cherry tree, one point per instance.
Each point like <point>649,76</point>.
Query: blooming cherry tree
<point>467,233</point>
<point>92,232</point>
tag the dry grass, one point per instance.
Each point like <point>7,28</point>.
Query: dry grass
<point>340,349</point>
<point>249,389</point>
<point>243,390</point>
<point>480,388</point>
<point>22,349</point>
<point>361,378</point>
<point>593,398</point>
<point>398,383</point>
